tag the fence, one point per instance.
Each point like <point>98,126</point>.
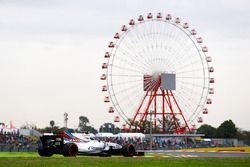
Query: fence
<point>18,148</point>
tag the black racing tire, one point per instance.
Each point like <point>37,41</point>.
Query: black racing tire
<point>128,150</point>
<point>70,150</point>
<point>42,152</point>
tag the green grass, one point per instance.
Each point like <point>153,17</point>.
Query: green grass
<point>33,160</point>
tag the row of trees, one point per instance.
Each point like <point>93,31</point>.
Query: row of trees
<point>83,126</point>
<point>227,129</point>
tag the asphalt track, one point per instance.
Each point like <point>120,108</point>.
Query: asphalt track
<point>202,154</point>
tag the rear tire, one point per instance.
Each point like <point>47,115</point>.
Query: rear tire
<point>42,152</point>
<point>128,150</point>
<point>70,150</point>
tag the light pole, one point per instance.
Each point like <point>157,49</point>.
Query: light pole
<point>150,129</point>
<point>65,120</point>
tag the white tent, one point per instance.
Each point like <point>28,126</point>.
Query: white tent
<point>104,135</point>
<point>131,135</point>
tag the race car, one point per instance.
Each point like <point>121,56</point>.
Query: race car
<point>69,145</point>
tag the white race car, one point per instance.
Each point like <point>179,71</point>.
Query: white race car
<point>68,145</point>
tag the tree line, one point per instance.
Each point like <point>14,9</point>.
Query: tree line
<point>227,129</point>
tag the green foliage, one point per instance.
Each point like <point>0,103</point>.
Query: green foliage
<point>52,123</point>
<point>227,130</point>
<point>208,130</point>
<point>83,126</point>
<point>107,128</point>
<point>83,121</point>
<point>48,129</point>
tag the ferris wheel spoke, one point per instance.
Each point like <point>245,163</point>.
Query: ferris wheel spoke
<point>192,84</point>
<point>189,71</point>
<point>125,98</point>
<point>191,77</point>
<point>185,100</point>
<point>182,68</point>
<point>191,92</point>
<point>127,69</point>
<point>120,75</point>
<point>188,57</point>
<point>124,82</point>
<point>145,66</point>
<point>132,63</point>
<point>184,104</point>
<point>135,86</point>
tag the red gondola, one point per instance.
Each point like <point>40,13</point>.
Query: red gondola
<point>211,91</point>
<point>159,15</point>
<point>104,88</point>
<point>211,69</point>
<point>107,55</point>
<point>117,119</point>
<point>193,128</point>
<point>193,32</point>
<point>205,111</point>
<point>140,18</point>
<point>200,120</point>
<point>124,28</point>
<point>209,59</point>
<point>204,49</point>
<point>132,22</point>
<point>211,80</point>
<point>103,77</point>
<point>168,17</point>
<point>104,65</point>
<point>209,101</point>
<point>117,35</point>
<point>111,110</point>
<point>177,20</point>
<point>185,25</point>
<point>199,40</point>
<point>150,16</point>
<point>111,45</point>
<point>106,99</point>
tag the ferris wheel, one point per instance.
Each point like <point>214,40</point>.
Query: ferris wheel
<point>157,69</point>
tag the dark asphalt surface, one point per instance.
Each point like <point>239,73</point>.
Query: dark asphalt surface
<point>204,154</point>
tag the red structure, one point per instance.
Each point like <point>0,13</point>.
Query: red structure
<point>169,109</point>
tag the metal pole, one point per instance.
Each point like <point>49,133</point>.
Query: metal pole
<point>151,112</point>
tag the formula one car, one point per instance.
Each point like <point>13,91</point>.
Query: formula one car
<point>69,145</point>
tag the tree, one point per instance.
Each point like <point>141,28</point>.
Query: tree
<point>208,130</point>
<point>227,130</point>
<point>144,127</point>
<point>107,127</point>
<point>83,121</point>
<point>28,126</point>
<point>52,124</point>
<point>169,124</point>
<point>90,129</point>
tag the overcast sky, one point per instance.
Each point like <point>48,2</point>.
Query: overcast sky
<point>51,53</point>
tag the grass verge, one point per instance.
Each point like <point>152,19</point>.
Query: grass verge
<point>32,159</point>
